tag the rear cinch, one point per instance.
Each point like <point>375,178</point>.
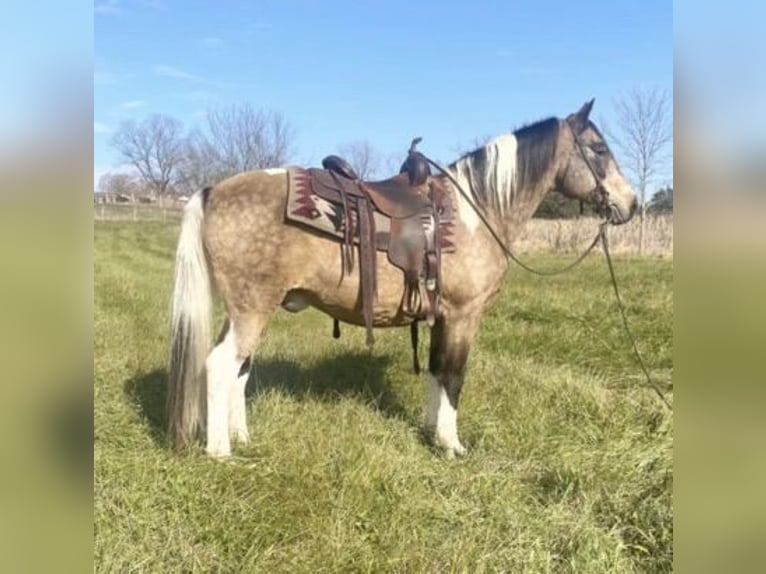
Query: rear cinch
<point>367,265</point>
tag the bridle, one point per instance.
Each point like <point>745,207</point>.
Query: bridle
<point>599,192</point>
<point>601,195</point>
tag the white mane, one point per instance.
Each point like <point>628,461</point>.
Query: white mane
<point>491,182</point>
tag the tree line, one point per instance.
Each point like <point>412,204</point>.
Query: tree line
<point>167,159</point>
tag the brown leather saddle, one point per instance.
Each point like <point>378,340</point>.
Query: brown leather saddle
<point>408,216</point>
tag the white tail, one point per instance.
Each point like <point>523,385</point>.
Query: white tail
<point>190,324</point>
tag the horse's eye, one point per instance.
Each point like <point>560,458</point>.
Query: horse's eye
<point>600,149</point>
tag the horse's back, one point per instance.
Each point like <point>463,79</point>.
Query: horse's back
<point>253,252</point>
<point>246,191</point>
<point>244,224</point>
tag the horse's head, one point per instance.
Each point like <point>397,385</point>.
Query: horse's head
<point>588,170</point>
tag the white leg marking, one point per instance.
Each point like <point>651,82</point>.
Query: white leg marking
<point>237,411</point>
<point>222,368</point>
<point>442,418</point>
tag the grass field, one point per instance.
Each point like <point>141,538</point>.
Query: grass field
<point>570,465</point>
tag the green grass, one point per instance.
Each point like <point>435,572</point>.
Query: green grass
<point>570,464</point>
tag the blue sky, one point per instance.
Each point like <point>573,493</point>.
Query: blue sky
<point>450,72</point>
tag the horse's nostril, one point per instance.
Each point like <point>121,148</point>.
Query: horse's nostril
<point>634,206</point>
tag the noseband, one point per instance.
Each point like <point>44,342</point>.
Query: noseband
<point>599,193</point>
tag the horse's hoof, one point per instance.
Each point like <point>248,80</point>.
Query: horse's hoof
<point>240,436</point>
<point>218,453</point>
<point>458,450</point>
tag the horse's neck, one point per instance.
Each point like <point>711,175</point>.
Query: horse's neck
<point>523,204</point>
<point>523,207</point>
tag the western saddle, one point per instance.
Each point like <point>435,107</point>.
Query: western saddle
<point>412,205</point>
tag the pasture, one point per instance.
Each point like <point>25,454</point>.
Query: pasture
<point>570,465</point>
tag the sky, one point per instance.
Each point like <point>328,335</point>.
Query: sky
<point>451,72</point>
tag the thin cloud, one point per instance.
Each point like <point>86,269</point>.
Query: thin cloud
<point>197,96</point>
<point>108,7</point>
<point>537,70</point>
<point>132,104</point>
<point>109,78</point>
<point>103,78</point>
<point>177,73</point>
<point>101,128</point>
<point>212,42</point>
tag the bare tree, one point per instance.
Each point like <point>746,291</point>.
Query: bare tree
<point>644,136</point>
<point>153,147</point>
<point>201,164</point>
<point>234,139</point>
<point>115,184</point>
<point>244,138</point>
<point>364,158</point>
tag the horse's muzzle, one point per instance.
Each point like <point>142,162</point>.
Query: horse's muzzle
<point>618,216</point>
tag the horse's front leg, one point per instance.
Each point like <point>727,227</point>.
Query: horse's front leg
<point>450,343</point>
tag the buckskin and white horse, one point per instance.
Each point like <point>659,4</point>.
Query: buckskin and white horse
<point>235,238</point>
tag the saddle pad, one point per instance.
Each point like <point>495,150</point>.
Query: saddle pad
<point>306,208</point>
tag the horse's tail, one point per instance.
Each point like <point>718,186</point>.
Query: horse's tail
<point>190,324</point>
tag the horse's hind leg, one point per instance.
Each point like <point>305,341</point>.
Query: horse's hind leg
<point>237,410</point>
<point>221,368</point>
<point>228,367</point>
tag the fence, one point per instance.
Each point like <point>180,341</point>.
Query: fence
<point>539,235</point>
<point>138,212</point>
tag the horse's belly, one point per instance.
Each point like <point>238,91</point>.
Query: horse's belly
<point>341,298</point>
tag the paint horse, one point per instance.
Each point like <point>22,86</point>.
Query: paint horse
<point>235,237</point>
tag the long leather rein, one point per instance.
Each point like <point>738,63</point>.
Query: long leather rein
<point>601,194</point>
<point>599,189</point>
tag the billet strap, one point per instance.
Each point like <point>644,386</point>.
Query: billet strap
<point>424,303</point>
<point>347,256</point>
<point>367,266</point>
<point>432,287</point>
<point>414,340</point>
<point>436,260</point>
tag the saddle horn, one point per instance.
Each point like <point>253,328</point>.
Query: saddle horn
<point>416,166</point>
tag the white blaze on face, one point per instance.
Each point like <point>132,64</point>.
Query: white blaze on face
<point>275,171</point>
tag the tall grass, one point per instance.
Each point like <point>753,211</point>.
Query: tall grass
<point>570,464</point>
<point>572,235</point>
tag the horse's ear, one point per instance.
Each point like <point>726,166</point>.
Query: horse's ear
<point>579,120</point>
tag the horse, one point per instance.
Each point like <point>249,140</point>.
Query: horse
<point>235,239</point>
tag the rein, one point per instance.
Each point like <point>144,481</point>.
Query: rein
<point>508,253</point>
<point>631,338</point>
<point>600,235</point>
